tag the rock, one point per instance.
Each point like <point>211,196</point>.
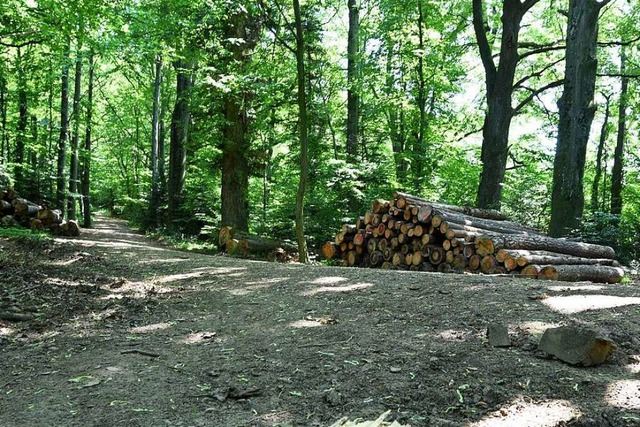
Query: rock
<point>498,335</point>
<point>576,346</point>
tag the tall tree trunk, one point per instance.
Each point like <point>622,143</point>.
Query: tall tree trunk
<point>236,144</point>
<point>64,132</point>
<point>576,109</point>
<point>419,149</point>
<point>75,139</point>
<point>617,173</point>
<point>180,120</point>
<point>353,97</point>
<point>50,127</point>
<point>153,219</point>
<point>604,132</point>
<point>395,119</point>
<point>3,116</point>
<point>499,85</point>
<point>86,151</point>
<point>303,135</point>
<point>23,121</point>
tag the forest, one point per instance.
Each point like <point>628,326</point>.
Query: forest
<point>286,118</point>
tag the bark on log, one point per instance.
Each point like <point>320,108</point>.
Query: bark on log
<point>578,273</point>
<point>524,257</point>
<point>529,242</point>
<point>480,213</point>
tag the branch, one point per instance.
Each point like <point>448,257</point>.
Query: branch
<point>628,76</point>
<point>483,43</point>
<point>539,73</point>
<point>542,50</point>
<point>469,134</point>
<point>20,45</point>
<point>535,93</point>
<point>528,4</point>
<point>619,43</point>
<point>272,25</point>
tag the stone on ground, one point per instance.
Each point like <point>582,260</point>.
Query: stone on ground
<point>576,346</point>
<point>498,335</point>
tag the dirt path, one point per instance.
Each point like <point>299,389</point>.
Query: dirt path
<point>127,332</point>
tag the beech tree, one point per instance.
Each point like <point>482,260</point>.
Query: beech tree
<point>576,109</point>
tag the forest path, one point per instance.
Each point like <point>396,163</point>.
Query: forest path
<point>130,332</point>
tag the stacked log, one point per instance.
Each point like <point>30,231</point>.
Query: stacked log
<point>16,211</point>
<point>412,233</point>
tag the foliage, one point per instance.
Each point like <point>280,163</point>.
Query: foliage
<point>398,147</point>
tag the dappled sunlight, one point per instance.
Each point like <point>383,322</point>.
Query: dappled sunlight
<point>5,332</point>
<point>111,244</point>
<point>150,328</point>
<point>566,288</point>
<point>198,337</point>
<point>162,260</point>
<point>328,280</point>
<point>327,289</point>
<point>623,394</point>
<point>136,290</point>
<point>454,335</point>
<point>536,328</point>
<point>634,364</point>
<point>268,281</point>
<point>299,324</point>
<point>523,413</point>
<point>579,303</point>
<point>202,272</point>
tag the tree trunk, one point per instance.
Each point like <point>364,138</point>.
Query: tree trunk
<point>75,140</point>
<point>395,118</point>
<point>579,273</point>
<point>3,116</point>
<point>419,149</point>
<point>353,98</point>
<point>499,85</point>
<point>617,173</point>
<point>154,203</point>
<point>86,152</point>
<point>303,132</point>
<point>604,132</point>
<point>180,120</point>
<point>64,132</point>
<point>576,110</point>
<point>23,120</point>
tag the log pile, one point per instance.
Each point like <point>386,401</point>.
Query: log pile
<point>411,233</point>
<point>16,211</point>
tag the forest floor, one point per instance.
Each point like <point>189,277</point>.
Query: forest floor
<point>119,330</point>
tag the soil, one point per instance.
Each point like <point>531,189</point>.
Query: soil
<point>115,329</point>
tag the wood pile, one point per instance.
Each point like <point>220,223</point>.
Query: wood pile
<point>411,233</point>
<point>16,211</point>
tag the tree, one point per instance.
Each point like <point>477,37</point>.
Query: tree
<point>576,111</point>
<point>617,173</point>
<point>353,98</point>
<point>75,140</point>
<point>303,134</point>
<point>86,151</point>
<point>499,83</point>
<point>604,132</point>
<point>180,119</point>
<point>241,37</point>
<point>154,202</point>
<point>64,131</point>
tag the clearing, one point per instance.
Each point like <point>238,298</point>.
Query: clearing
<point>120,330</point>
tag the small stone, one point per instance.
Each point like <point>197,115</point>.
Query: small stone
<point>498,335</point>
<point>395,369</point>
<point>576,346</point>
